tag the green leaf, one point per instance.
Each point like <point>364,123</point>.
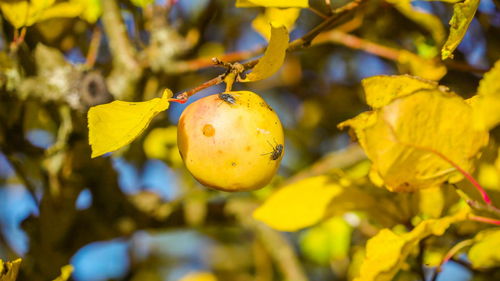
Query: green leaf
<point>66,272</point>
<point>485,252</point>
<point>463,13</point>
<point>274,56</point>
<point>9,270</point>
<point>387,251</point>
<point>274,3</point>
<point>116,124</point>
<point>487,102</point>
<point>400,137</point>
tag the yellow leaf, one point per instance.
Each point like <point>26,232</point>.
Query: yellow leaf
<point>401,139</point>
<point>24,13</point>
<point>485,252</point>
<point>142,3</point>
<point>116,124</point>
<point>328,240</point>
<point>425,68</point>
<point>199,276</point>
<point>431,202</point>
<point>298,205</point>
<point>487,103</point>
<point>66,272</point>
<point>161,143</point>
<point>273,57</point>
<point>387,251</point>
<point>274,3</point>
<point>9,270</point>
<point>428,21</point>
<point>381,90</point>
<point>285,17</point>
<point>463,13</point>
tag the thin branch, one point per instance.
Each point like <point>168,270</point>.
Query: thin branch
<point>354,42</point>
<point>449,255</point>
<point>484,219</point>
<point>95,43</point>
<point>212,82</point>
<point>126,70</point>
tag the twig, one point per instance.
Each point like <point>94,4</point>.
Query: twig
<point>453,251</point>
<point>484,219</point>
<point>95,43</point>
<point>337,16</point>
<point>126,70</point>
<point>354,42</point>
<point>317,12</point>
<point>212,82</point>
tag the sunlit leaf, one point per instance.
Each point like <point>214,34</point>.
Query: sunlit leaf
<point>485,252</point>
<point>299,204</point>
<point>387,251</point>
<point>274,3</point>
<point>24,13</point>
<point>463,13</point>
<point>199,276</point>
<point>274,56</point>
<point>487,103</point>
<point>401,139</point>
<point>9,270</point>
<point>427,20</point>
<point>285,17</point>
<point>326,241</point>
<point>142,3</point>
<point>116,124</point>
<point>425,68</point>
<point>161,143</point>
<point>431,202</point>
<point>381,90</point>
<point>66,272</point>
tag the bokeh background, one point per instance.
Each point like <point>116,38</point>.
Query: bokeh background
<point>137,214</point>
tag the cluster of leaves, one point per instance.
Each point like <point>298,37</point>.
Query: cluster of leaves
<point>387,215</point>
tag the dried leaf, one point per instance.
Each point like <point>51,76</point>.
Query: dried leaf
<point>400,137</point>
<point>285,17</point>
<point>487,102</point>
<point>463,13</point>
<point>484,253</point>
<point>274,56</point>
<point>387,251</point>
<point>298,205</point>
<point>116,124</point>
<point>9,270</point>
<point>274,3</point>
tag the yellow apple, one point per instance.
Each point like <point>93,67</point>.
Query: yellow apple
<point>232,141</point>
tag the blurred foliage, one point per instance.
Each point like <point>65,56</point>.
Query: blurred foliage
<point>417,82</point>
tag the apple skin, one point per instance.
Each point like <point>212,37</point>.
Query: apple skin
<point>233,141</point>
